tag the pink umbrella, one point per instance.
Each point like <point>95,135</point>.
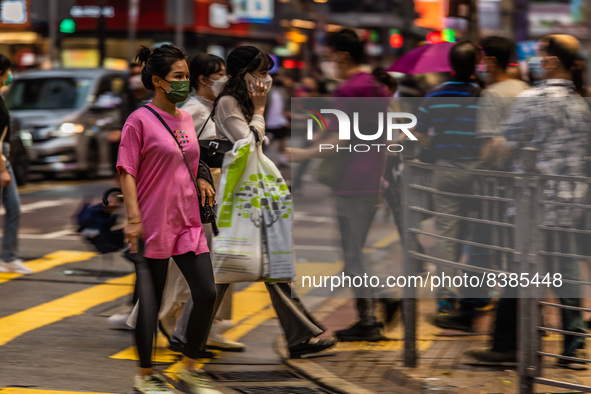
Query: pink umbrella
<point>428,58</point>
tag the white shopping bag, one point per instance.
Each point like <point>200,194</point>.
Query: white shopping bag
<point>254,219</point>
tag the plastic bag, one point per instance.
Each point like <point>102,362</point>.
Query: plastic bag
<point>254,219</point>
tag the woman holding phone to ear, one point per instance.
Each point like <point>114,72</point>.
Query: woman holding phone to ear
<point>238,110</point>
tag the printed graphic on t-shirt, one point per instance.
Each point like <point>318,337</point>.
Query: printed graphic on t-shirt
<point>181,136</point>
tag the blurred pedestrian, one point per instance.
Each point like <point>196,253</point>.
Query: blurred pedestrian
<point>386,79</point>
<point>494,104</point>
<point>357,188</point>
<point>498,97</point>
<point>208,78</point>
<point>10,261</point>
<point>156,182</point>
<point>238,112</point>
<point>277,116</point>
<point>450,138</point>
<point>553,119</point>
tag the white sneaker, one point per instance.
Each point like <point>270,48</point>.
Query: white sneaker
<point>222,326</point>
<point>119,321</point>
<point>197,382</point>
<point>217,341</point>
<point>151,384</point>
<point>15,266</point>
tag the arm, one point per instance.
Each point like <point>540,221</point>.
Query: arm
<point>134,229</point>
<point>205,184</point>
<point>4,174</point>
<point>233,119</point>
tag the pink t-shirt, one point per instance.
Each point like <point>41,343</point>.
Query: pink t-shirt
<point>166,195</point>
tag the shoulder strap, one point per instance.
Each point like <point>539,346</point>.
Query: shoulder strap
<point>179,145</point>
<point>204,124</point>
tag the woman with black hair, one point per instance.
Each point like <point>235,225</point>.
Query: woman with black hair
<point>208,77</point>
<point>163,211</point>
<point>10,261</point>
<point>238,111</point>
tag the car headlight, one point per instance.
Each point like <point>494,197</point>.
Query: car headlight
<point>71,128</point>
<point>26,138</point>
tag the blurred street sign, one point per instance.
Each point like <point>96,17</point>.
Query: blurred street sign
<point>368,20</point>
<point>253,11</point>
<point>13,12</point>
<point>92,11</point>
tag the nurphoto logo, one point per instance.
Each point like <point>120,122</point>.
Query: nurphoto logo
<point>391,120</point>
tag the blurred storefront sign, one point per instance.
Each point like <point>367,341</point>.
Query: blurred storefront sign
<point>565,17</point>
<point>489,15</point>
<point>431,14</point>
<point>253,11</point>
<point>367,19</point>
<point>219,16</point>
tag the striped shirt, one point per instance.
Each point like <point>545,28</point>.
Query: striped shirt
<point>449,116</point>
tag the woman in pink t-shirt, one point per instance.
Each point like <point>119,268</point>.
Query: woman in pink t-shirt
<point>163,211</point>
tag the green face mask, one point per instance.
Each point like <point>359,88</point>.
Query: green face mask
<point>9,80</point>
<point>179,91</point>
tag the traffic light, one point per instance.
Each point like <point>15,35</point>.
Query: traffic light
<point>435,37</point>
<point>396,39</point>
<point>448,35</point>
<point>67,26</point>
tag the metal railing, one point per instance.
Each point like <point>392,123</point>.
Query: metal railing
<point>526,223</point>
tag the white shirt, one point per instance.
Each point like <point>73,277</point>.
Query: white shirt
<point>231,123</point>
<point>200,108</point>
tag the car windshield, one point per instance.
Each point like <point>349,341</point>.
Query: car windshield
<point>48,93</point>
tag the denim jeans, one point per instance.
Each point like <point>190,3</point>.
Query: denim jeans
<point>12,206</point>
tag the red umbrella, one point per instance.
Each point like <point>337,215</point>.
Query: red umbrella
<point>428,58</point>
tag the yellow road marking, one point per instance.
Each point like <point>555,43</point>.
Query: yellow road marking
<point>19,390</point>
<point>255,306</point>
<point>19,323</point>
<point>49,261</point>
<point>387,240</point>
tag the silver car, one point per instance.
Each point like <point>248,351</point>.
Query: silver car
<point>66,117</point>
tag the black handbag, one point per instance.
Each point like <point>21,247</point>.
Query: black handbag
<point>213,151</point>
<point>207,212</point>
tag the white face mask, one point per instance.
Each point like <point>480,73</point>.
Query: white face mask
<point>218,85</point>
<point>251,80</point>
<point>135,82</point>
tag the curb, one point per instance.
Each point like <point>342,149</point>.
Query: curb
<point>314,371</point>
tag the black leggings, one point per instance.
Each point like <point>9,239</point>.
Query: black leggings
<point>151,278</point>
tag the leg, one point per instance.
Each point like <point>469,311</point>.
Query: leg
<point>151,278</point>
<point>355,215</point>
<point>298,326</point>
<point>11,219</point>
<point>176,293</point>
<point>181,326</point>
<point>449,226</point>
<point>505,331</point>
<point>198,272</point>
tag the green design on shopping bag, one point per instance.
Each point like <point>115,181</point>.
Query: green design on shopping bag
<point>235,172</point>
<point>257,192</point>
